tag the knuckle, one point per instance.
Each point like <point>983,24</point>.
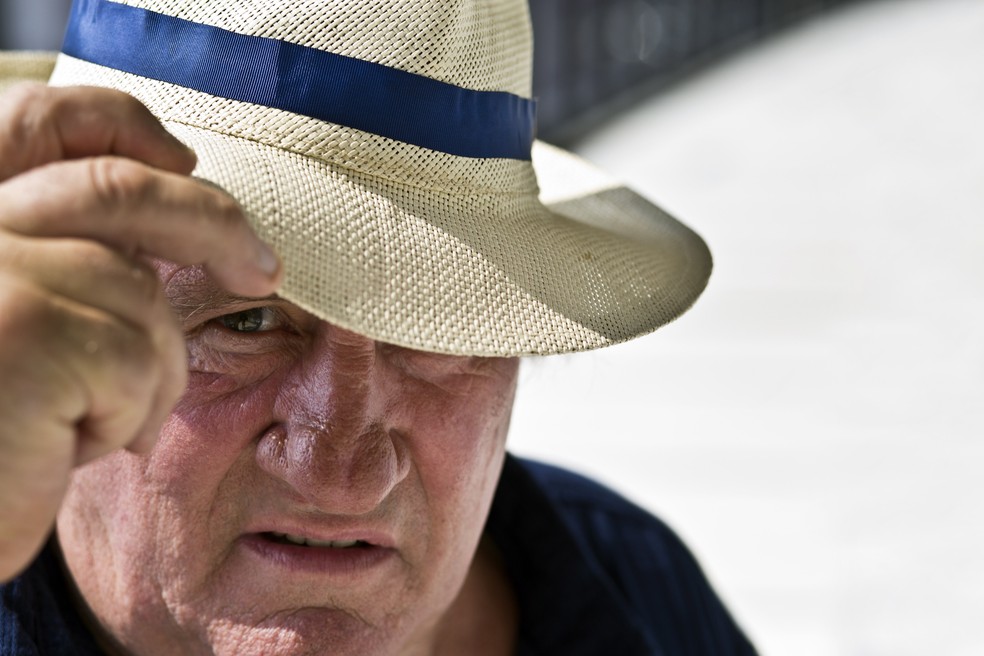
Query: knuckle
<point>26,112</point>
<point>131,108</point>
<point>22,312</point>
<point>163,333</point>
<point>142,279</point>
<point>119,183</point>
<point>131,351</point>
<point>122,378</point>
<point>224,210</point>
<point>120,362</point>
<point>76,357</point>
<point>131,278</point>
<point>29,100</point>
<point>126,101</point>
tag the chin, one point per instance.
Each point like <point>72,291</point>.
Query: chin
<point>301,632</point>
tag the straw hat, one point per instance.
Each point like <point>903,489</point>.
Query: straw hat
<point>384,149</point>
<point>24,66</point>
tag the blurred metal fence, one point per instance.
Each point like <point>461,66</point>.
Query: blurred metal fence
<point>32,24</point>
<point>590,54</point>
<point>594,56</point>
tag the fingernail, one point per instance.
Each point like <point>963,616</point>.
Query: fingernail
<point>267,260</point>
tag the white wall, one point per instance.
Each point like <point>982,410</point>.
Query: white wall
<point>813,427</point>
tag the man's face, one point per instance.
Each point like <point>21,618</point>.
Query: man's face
<point>381,461</point>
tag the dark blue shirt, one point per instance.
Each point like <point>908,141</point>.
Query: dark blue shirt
<point>594,575</point>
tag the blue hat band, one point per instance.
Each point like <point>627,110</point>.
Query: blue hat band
<point>366,96</point>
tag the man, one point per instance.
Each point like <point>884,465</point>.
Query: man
<point>247,457</point>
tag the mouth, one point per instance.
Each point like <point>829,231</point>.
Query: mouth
<point>300,540</point>
<point>345,558</point>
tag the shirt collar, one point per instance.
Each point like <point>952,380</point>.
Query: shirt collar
<point>566,603</point>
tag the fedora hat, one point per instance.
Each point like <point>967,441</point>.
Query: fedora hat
<point>24,66</point>
<point>386,149</point>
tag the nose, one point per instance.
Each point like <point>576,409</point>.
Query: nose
<point>333,447</point>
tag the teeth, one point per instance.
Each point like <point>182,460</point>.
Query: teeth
<point>308,542</point>
<point>338,544</point>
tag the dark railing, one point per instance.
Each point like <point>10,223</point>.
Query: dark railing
<point>596,56</point>
<point>32,24</point>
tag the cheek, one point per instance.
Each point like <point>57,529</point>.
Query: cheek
<point>458,446</point>
<point>213,426</point>
<point>183,498</point>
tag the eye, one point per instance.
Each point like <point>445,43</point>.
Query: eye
<point>253,320</point>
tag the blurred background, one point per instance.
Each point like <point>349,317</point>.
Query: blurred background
<point>593,57</point>
<point>813,427</point>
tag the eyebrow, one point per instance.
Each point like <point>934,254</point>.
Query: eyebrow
<point>191,295</point>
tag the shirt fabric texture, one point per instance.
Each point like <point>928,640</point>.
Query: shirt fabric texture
<point>594,575</point>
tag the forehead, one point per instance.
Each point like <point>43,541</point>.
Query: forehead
<point>192,293</point>
<point>191,290</point>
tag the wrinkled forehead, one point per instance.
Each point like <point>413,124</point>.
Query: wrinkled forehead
<point>190,289</point>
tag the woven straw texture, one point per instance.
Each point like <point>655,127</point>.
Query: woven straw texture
<point>477,45</point>
<point>24,66</point>
<point>416,247</point>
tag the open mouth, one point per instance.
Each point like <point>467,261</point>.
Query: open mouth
<point>287,538</point>
<point>344,559</point>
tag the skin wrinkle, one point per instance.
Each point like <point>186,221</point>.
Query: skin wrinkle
<point>100,524</point>
<point>32,125</point>
<point>348,369</point>
<point>272,620</point>
<point>97,533</point>
<point>178,606</point>
<point>411,442</point>
<point>183,607</point>
<point>191,292</point>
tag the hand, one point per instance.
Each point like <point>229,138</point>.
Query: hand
<point>91,357</point>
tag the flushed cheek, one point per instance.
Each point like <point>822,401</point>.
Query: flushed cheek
<point>197,473</point>
<point>201,468</point>
<point>214,424</point>
<point>459,438</point>
<point>458,445</point>
<point>175,516</point>
<point>132,547</point>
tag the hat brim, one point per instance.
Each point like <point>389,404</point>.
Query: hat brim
<point>469,273</point>
<point>24,66</point>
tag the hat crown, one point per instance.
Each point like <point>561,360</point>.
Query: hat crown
<point>383,148</point>
<point>483,45</point>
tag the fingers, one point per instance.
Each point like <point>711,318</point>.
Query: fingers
<point>108,307</point>
<point>94,375</point>
<point>110,198</point>
<point>142,211</point>
<point>77,383</point>
<point>100,277</point>
<point>40,124</point>
<point>92,358</point>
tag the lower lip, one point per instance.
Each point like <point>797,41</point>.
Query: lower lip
<point>335,562</point>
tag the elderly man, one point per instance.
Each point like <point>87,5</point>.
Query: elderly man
<point>244,452</point>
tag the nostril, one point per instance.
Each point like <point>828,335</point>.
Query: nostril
<point>271,449</point>
<point>401,455</point>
